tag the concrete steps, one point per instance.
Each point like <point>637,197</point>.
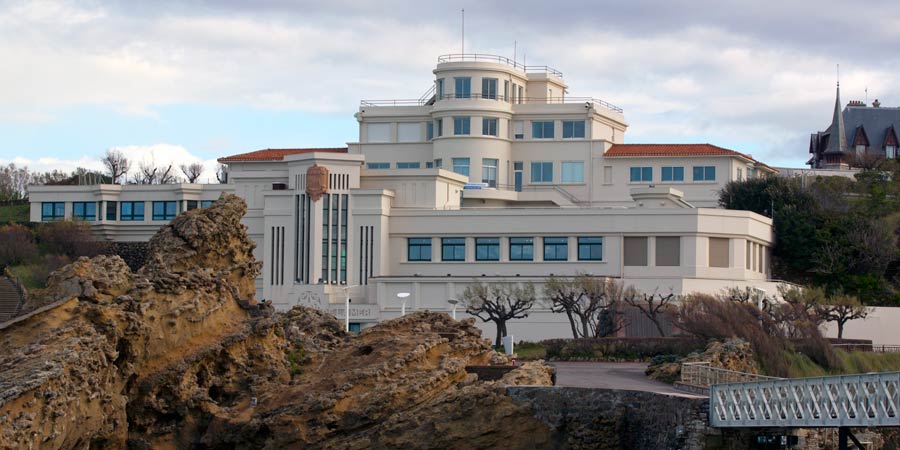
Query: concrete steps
<point>10,299</point>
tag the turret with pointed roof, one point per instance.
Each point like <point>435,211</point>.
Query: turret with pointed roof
<point>837,141</point>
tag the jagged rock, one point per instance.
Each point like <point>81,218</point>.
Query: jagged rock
<point>733,354</point>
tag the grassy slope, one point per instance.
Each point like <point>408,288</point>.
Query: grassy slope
<point>851,363</point>
<point>14,213</point>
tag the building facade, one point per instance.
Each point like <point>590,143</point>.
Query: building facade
<point>494,176</point>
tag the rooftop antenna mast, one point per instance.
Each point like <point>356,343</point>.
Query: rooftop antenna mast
<point>462,43</point>
<point>515,49</point>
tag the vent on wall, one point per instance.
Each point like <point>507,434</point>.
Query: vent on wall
<point>279,186</point>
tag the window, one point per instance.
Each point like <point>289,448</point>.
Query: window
<point>191,204</point>
<point>573,129</point>
<point>429,131</point>
<point>673,173</point>
<point>439,163</point>
<point>408,165</point>
<point>542,129</point>
<point>519,129</point>
<point>463,87</point>
<point>590,249</point>
<point>205,203</point>
<point>409,132</point>
<point>740,174</point>
<point>860,150</point>
<point>641,174</point>
<point>505,90</point>
<point>489,171</point>
<point>131,211</point>
<point>489,126</point>
<point>573,171</point>
<point>489,88</point>
<point>378,165</point>
<point>461,166</point>
<point>521,249</point>
<point>84,210</point>
<point>718,252</point>
<point>429,165</point>
<point>453,249</point>
<point>111,210</point>
<point>668,251</point>
<point>440,89</point>
<point>515,87</point>
<point>461,125</point>
<point>890,151</point>
<point>556,249</point>
<point>53,211</point>
<point>521,94</point>
<point>440,127</point>
<point>635,251</point>
<point>419,249</point>
<point>378,132</point>
<point>164,210</point>
<point>704,173</point>
<point>487,249</point>
<point>541,172</point>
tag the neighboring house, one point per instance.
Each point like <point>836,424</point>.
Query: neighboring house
<point>494,176</point>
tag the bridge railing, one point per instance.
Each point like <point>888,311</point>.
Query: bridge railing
<point>703,375</point>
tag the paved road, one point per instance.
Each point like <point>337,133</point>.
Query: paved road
<point>624,376</point>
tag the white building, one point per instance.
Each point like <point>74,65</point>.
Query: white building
<point>495,175</point>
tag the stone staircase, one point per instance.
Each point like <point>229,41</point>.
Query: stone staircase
<point>10,299</point>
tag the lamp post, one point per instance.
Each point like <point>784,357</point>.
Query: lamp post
<point>453,302</point>
<point>346,290</point>
<point>403,296</point>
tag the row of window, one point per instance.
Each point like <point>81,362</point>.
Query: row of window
<point>520,249</point>
<point>462,126</point>
<point>541,171</point>
<point>126,211</point>
<point>673,173</point>
<point>463,89</point>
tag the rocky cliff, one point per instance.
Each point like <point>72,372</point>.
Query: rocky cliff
<point>180,355</point>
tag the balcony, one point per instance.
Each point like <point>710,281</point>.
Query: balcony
<point>478,96</point>
<point>480,57</point>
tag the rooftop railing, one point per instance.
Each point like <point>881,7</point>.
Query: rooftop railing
<point>422,101</point>
<point>459,57</point>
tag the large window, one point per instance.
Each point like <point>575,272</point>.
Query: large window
<point>112,209</point>
<point>461,166</point>
<point>489,171</point>
<point>53,211</point>
<point>164,210</point>
<point>84,211</point>
<point>429,131</point>
<point>719,254</point>
<point>590,249</point>
<point>378,132</point>
<point>453,249</point>
<point>439,163</point>
<point>191,205</point>
<point>378,165</point>
<point>439,90</point>
<point>487,249</point>
<point>205,203</point>
<point>673,173</point>
<point>668,251</point>
<point>409,132</point>
<point>542,129</point>
<point>541,172</point>
<point>704,173</point>
<point>521,249</point>
<point>556,249</point>
<point>419,249</point>
<point>573,172</point>
<point>890,151</point>
<point>489,126</point>
<point>636,251</point>
<point>462,125</point>
<point>463,88</point>
<point>440,127</point>
<point>573,129</point>
<point>131,211</point>
<point>489,88</point>
<point>641,174</point>
<point>408,165</point>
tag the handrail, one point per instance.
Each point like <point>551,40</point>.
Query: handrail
<point>459,57</point>
<point>537,187</point>
<point>703,375</point>
<point>427,95</point>
<point>497,97</point>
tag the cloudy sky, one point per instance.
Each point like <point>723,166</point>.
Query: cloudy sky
<point>188,81</point>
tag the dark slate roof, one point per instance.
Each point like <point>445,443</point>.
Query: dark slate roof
<point>876,122</point>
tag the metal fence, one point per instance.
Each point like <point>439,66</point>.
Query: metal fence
<point>703,375</point>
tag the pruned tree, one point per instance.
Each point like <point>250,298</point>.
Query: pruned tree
<point>840,309</point>
<point>149,173</point>
<point>591,304</point>
<point>14,182</point>
<point>222,173</point>
<point>167,175</point>
<point>653,306</point>
<point>116,164</point>
<point>192,171</point>
<point>499,303</point>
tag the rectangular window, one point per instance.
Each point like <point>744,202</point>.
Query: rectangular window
<point>673,173</point>
<point>489,171</point>
<point>164,210</point>
<point>378,165</point>
<point>439,163</point>
<point>191,204</point>
<point>440,127</point>
<point>112,209</point>
<point>541,172</point>
<point>573,129</point>
<point>453,249</point>
<point>419,249</point>
<point>462,125</point>
<point>740,174</point>
<point>487,249</point>
<point>205,203</point>
<point>521,249</point>
<point>409,132</point>
<point>641,174</point>
<point>704,173</point>
<point>429,165</point>
<point>521,94</point>
<point>635,251</point>
<point>590,249</point>
<point>890,151</point>
<point>515,87</point>
<point>542,129</point>
<point>429,131</point>
<point>440,89</point>
<point>132,211</point>
<point>53,211</point>
<point>489,126</point>
<point>573,171</point>
<point>505,90</point>
<point>463,87</point>
<point>461,166</point>
<point>408,165</point>
<point>84,211</point>
<point>556,249</point>
<point>668,251</point>
<point>519,129</point>
<point>718,252</point>
<point>489,88</point>
<point>378,132</point>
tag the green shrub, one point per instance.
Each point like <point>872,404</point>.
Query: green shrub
<point>634,349</point>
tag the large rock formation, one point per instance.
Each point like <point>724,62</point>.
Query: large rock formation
<point>180,355</point>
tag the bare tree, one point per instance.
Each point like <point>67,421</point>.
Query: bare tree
<point>592,304</point>
<point>841,309</point>
<point>14,182</point>
<point>166,175</point>
<point>192,171</point>
<point>222,173</point>
<point>148,173</point>
<point>653,306</point>
<point>499,303</point>
<point>116,164</point>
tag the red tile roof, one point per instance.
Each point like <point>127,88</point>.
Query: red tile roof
<point>278,154</point>
<point>627,150</point>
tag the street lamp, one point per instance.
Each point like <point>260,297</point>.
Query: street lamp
<point>403,296</point>
<point>453,302</point>
<point>346,290</point>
